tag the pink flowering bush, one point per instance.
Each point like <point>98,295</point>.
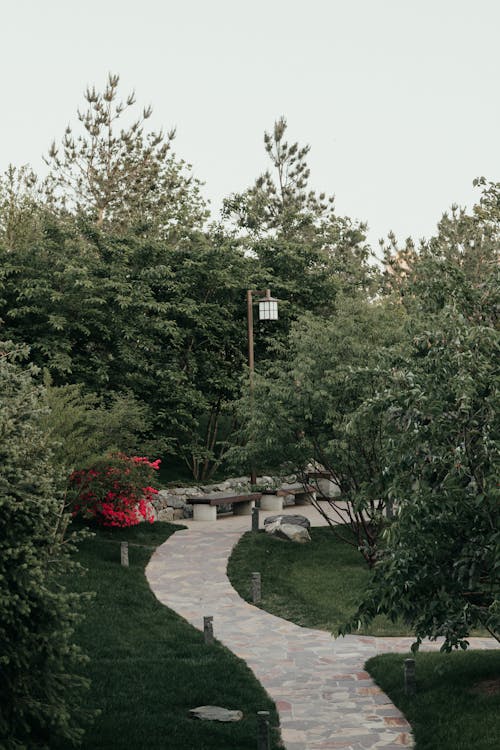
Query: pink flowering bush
<point>115,491</point>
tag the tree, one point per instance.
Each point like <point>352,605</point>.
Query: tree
<point>126,315</point>
<point>40,693</point>
<point>310,406</point>
<point>53,298</point>
<point>307,253</point>
<point>120,176</point>
<point>21,207</point>
<point>83,427</point>
<point>440,568</point>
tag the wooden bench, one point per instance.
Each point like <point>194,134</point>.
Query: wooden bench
<point>205,506</point>
<point>273,499</point>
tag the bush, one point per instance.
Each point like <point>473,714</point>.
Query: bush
<point>115,491</point>
<point>39,690</point>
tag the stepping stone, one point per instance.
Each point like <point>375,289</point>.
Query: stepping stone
<point>215,713</point>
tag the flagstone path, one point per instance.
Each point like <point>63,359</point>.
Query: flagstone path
<point>324,697</point>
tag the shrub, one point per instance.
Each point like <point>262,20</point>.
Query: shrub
<point>40,694</point>
<point>115,491</point>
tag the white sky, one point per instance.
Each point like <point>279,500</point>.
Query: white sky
<point>399,100</point>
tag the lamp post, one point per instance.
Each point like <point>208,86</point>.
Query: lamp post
<point>268,310</point>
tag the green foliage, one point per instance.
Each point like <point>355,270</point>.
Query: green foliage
<point>53,299</point>
<point>441,566</point>
<point>306,253</point>
<point>119,176</point>
<point>39,692</point>
<point>82,427</point>
<point>21,207</point>
<point>130,316</point>
<point>456,706</point>
<point>316,394</point>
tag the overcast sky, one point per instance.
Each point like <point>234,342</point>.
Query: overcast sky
<point>399,100</point>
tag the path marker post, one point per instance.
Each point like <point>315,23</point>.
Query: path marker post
<point>208,629</point>
<point>263,741</point>
<point>124,554</point>
<point>256,588</point>
<point>255,519</point>
<point>409,677</point>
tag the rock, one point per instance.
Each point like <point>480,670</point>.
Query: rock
<point>215,713</point>
<point>293,533</point>
<point>185,491</point>
<point>266,481</point>
<point>178,513</point>
<point>294,528</point>
<point>170,500</point>
<point>240,482</point>
<point>227,484</point>
<point>165,514</point>
<point>294,520</point>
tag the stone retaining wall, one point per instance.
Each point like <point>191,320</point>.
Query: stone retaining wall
<point>170,505</point>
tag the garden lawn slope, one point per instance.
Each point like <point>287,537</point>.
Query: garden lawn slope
<point>457,705</point>
<point>148,666</point>
<point>316,585</point>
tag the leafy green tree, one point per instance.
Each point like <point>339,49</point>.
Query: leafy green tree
<point>440,569</point>
<point>128,315</point>
<point>53,298</point>
<point>39,690</point>
<point>191,373</point>
<point>120,176</point>
<point>83,427</point>
<point>310,406</point>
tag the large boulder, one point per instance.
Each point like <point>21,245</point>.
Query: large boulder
<point>165,514</point>
<point>295,520</point>
<point>294,528</point>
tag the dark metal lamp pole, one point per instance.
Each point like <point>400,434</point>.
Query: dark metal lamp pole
<point>268,310</point>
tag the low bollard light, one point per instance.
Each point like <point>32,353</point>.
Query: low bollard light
<point>124,553</point>
<point>256,588</point>
<point>208,629</point>
<point>255,519</point>
<point>263,740</point>
<point>410,682</point>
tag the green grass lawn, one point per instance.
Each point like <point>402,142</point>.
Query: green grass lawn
<point>316,585</point>
<point>454,709</point>
<point>148,666</point>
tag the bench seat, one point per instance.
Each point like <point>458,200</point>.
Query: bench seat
<point>205,506</point>
<point>273,499</point>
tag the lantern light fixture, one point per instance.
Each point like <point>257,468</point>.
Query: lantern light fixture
<point>268,307</point>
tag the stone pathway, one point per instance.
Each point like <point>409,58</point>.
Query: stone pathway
<point>324,697</point>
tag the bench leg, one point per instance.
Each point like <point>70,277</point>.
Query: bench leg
<point>203,512</point>
<point>302,498</point>
<point>271,502</point>
<point>243,509</point>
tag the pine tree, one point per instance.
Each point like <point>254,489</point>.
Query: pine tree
<point>119,175</point>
